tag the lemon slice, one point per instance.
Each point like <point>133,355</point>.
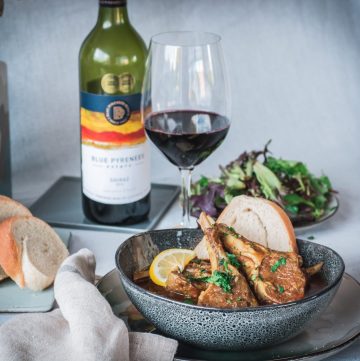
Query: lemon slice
<point>167,261</point>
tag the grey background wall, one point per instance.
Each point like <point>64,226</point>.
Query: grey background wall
<point>294,67</point>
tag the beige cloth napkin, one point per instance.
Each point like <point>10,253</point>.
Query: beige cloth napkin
<point>82,329</point>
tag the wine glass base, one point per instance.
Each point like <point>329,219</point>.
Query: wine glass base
<point>192,224</point>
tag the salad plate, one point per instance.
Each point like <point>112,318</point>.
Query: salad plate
<point>337,328</point>
<point>333,206</point>
<point>308,199</point>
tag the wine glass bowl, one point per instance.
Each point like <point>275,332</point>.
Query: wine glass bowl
<point>185,103</point>
<point>186,137</point>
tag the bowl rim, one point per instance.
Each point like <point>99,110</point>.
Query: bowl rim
<point>307,299</point>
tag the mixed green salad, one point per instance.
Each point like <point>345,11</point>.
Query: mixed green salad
<point>303,196</point>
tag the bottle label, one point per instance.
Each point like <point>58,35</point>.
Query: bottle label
<point>112,3</point>
<point>115,156</point>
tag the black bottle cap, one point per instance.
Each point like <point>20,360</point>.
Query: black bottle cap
<point>112,3</point>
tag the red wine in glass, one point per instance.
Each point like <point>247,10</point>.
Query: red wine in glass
<point>185,104</point>
<point>186,137</point>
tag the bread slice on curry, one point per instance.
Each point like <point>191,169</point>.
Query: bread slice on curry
<point>258,220</point>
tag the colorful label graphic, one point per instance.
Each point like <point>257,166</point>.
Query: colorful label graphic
<point>115,158</point>
<point>111,121</point>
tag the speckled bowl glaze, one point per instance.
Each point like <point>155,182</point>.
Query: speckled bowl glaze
<point>221,329</point>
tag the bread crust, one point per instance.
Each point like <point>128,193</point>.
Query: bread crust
<point>21,209</point>
<point>288,225</point>
<point>11,253</point>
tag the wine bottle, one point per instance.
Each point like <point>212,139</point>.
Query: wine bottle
<point>115,162</point>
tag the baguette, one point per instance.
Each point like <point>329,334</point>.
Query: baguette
<point>262,221</point>
<point>31,251</point>
<point>258,220</point>
<point>10,208</point>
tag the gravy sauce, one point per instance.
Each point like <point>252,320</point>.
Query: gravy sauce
<point>314,285</point>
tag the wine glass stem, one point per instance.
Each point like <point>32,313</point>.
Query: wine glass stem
<point>185,196</point>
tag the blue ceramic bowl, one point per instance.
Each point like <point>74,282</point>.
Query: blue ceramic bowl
<point>223,329</point>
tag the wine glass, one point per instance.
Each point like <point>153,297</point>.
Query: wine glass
<point>185,103</point>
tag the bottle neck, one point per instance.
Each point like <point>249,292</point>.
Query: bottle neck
<point>112,13</point>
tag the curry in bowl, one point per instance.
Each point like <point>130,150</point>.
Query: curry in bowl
<point>240,273</point>
<point>239,283</point>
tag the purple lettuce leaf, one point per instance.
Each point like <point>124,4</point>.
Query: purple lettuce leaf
<point>207,201</point>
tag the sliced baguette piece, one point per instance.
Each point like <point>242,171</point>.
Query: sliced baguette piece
<point>258,220</point>
<point>262,221</point>
<point>10,208</point>
<point>31,251</point>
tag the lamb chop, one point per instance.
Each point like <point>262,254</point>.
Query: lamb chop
<point>197,271</point>
<point>190,282</point>
<point>227,288</point>
<point>178,283</point>
<point>276,276</point>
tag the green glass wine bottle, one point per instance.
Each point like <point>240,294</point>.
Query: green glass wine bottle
<point>115,162</point>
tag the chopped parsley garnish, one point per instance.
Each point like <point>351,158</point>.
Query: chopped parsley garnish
<point>196,260</point>
<point>239,299</point>
<point>202,271</point>
<point>189,301</point>
<point>221,279</point>
<point>224,262</point>
<point>232,230</point>
<point>280,262</point>
<point>233,260</point>
<point>281,289</point>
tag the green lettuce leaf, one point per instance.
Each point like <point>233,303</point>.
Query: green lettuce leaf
<point>269,182</point>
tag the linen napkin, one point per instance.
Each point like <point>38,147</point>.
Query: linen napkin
<point>84,327</point>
